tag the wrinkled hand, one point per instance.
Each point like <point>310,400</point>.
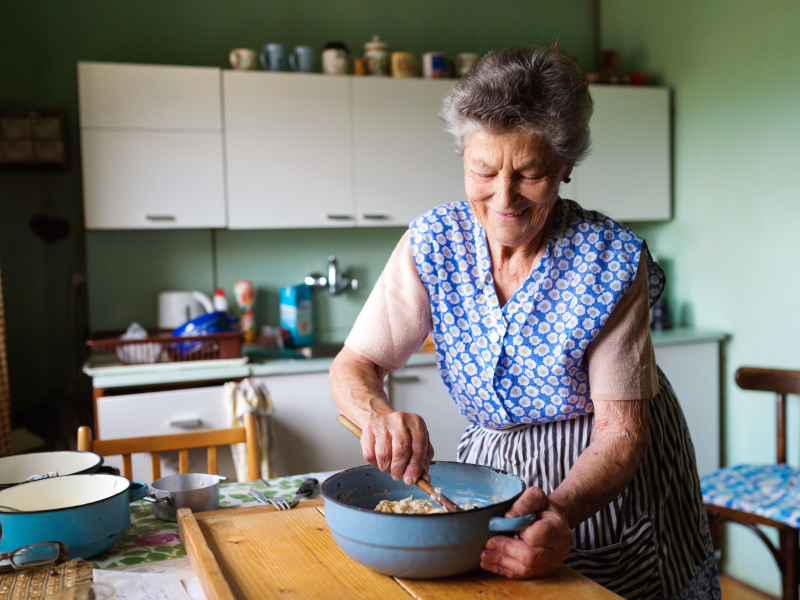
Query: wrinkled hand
<point>542,547</point>
<point>398,443</point>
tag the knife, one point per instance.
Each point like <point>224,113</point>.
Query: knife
<point>304,491</point>
<point>259,496</point>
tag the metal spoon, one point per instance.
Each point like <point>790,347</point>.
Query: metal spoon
<point>426,487</point>
<point>10,509</point>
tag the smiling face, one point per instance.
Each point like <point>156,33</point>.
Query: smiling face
<point>512,185</point>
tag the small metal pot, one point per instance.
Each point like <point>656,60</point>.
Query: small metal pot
<point>197,491</point>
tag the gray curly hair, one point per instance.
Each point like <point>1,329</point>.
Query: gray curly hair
<point>534,89</point>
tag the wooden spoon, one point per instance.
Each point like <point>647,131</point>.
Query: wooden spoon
<point>426,487</point>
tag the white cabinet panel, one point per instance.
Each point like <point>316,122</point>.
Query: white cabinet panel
<point>149,96</point>
<point>420,390</point>
<point>288,150</point>
<point>693,371</point>
<point>405,162</point>
<point>308,438</point>
<point>627,174</point>
<point>152,179</point>
<point>159,413</point>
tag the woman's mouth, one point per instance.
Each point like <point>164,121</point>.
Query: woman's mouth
<point>509,216</point>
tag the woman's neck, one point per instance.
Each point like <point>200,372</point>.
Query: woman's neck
<point>511,265</point>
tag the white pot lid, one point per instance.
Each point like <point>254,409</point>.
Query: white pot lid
<point>62,492</point>
<point>16,469</point>
<point>376,44</point>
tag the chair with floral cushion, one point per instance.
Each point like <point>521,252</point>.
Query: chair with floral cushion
<point>766,495</point>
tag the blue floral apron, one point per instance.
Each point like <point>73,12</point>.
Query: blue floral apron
<point>518,374</point>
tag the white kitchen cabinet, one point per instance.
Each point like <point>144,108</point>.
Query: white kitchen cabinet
<point>627,175</point>
<point>288,150</point>
<point>693,369</point>
<point>308,438</point>
<point>159,413</point>
<point>149,96</point>
<point>140,179</point>
<point>151,146</point>
<point>420,390</point>
<point>405,162</point>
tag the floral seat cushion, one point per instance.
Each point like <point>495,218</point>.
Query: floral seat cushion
<point>771,491</point>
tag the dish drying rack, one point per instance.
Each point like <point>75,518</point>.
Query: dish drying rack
<point>161,346</point>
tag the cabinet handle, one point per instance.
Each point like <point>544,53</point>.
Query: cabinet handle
<point>160,218</point>
<point>340,217</point>
<point>187,424</point>
<point>377,217</point>
<point>405,379</point>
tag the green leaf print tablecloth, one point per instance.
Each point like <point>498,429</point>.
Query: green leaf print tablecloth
<point>148,539</point>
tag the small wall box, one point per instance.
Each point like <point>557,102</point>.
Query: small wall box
<point>32,139</point>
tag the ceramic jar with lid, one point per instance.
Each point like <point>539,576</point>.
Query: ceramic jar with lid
<point>377,54</point>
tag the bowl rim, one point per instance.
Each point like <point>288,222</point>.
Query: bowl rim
<point>48,453</point>
<point>425,515</point>
<point>5,514</point>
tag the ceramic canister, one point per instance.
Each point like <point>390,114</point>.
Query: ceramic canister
<point>377,54</point>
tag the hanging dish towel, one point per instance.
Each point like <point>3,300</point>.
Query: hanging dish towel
<point>250,395</point>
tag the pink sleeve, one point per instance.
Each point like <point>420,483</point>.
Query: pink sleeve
<point>397,315</point>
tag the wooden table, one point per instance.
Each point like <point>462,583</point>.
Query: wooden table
<point>258,552</point>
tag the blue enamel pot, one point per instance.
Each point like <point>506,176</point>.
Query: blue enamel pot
<point>88,513</point>
<point>421,546</point>
<point>19,467</point>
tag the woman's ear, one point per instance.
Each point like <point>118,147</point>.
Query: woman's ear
<point>567,173</point>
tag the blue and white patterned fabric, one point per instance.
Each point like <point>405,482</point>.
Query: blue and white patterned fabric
<point>771,491</point>
<point>522,363</point>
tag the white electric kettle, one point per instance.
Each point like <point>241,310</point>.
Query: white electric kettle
<point>175,308</point>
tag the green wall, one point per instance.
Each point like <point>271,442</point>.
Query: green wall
<point>734,243</point>
<point>41,43</point>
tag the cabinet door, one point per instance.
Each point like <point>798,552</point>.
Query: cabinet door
<point>627,174</point>
<point>288,150</point>
<point>693,371</point>
<point>152,179</point>
<point>149,96</point>
<point>308,438</point>
<point>159,413</point>
<point>405,162</point>
<point>420,390</point>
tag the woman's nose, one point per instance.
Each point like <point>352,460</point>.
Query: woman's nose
<point>504,193</point>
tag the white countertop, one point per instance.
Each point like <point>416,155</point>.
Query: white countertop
<point>111,375</point>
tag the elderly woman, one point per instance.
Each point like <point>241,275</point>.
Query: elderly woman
<point>539,311</point>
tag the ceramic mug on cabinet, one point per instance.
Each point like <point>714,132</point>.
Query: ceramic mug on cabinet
<point>243,59</point>
<point>434,65</point>
<point>335,59</point>
<point>464,62</point>
<point>303,59</point>
<point>404,64</point>
<point>273,57</point>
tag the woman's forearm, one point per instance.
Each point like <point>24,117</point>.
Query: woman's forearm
<point>620,439</point>
<point>357,387</point>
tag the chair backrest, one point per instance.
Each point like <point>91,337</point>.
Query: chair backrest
<point>182,442</point>
<point>778,381</point>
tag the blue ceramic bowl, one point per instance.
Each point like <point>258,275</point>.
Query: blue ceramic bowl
<point>88,513</point>
<point>420,546</point>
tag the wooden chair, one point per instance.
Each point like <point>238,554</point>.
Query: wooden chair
<point>182,442</point>
<point>762,495</point>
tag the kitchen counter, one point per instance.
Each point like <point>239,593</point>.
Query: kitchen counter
<point>106,374</point>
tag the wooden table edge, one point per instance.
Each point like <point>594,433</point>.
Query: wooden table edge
<point>204,563</point>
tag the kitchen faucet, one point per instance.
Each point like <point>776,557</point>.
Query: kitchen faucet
<point>335,281</point>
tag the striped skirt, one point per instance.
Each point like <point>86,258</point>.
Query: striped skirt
<point>652,541</point>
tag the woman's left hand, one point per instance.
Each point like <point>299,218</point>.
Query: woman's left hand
<point>542,547</point>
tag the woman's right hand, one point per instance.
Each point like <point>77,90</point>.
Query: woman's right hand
<point>398,443</point>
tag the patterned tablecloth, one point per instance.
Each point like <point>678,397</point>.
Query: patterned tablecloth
<point>149,539</point>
